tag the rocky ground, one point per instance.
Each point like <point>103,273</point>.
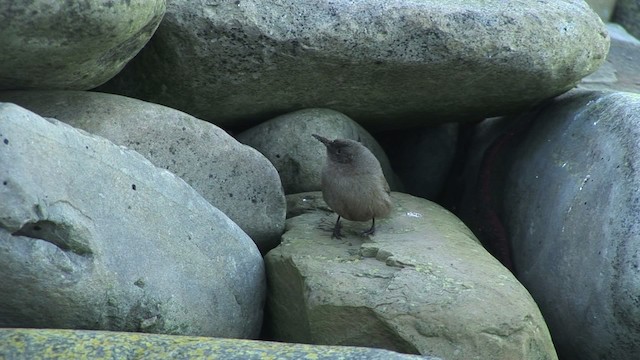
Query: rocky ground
<point>160,187</point>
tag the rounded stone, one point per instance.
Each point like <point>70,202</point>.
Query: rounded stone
<point>71,44</point>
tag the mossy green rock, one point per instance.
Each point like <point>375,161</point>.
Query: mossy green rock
<point>79,344</point>
<point>422,285</point>
<point>71,44</point>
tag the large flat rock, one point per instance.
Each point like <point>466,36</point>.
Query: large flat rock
<point>93,236</point>
<point>422,285</point>
<point>386,64</point>
<point>68,344</point>
<point>71,44</point>
<point>235,178</point>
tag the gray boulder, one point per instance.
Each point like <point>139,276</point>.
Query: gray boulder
<point>287,142</point>
<point>627,14</point>
<point>235,178</point>
<point>72,344</point>
<point>571,206</point>
<point>621,71</point>
<point>71,45</point>
<point>422,285</point>
<point>386,64</point>
<point>93,236</point>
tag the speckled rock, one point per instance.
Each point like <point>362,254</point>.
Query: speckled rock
<point>68,344</point>
<point>621,71</point>
<point>287,142</point>
<point>93,236</point>
<point>385,64</point>
<point>71,44</point>
<point>234,178</point>
<point>422,285</point>
<point>627,14</point>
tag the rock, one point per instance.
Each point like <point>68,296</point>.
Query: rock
<point>235,178</point>
<point>422,157</point>
<point>385,64</point>
<point>37,343</point>
<point>621,71</point>
<point>549,171</point>
<point>93,236</point>
<point>570,206</point>
<point>422,285</point>
<point>287,142</point>
<point>627,14</point>
<point>604,8</point>
<point>71,45</point>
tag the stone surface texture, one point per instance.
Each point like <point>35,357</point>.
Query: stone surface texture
<point>71,44</point>
<point>70,344</point>
<point>621,71</point>
<point>287,142</point>
<point>422,285</point>
<point>571,206</point>
<point>233,177</point>
<point>93,236</point>
<point>627,14</point>
<point>386,64</point>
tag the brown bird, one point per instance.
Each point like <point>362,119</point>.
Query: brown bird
<point>353,184</point>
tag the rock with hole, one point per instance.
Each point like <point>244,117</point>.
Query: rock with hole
<point>93,236</point>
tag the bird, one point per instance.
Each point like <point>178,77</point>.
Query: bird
<point>353,184</point>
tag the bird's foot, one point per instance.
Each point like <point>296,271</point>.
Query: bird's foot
<point>372,229</point>
<point>369,232</point>
<point>337,233</point>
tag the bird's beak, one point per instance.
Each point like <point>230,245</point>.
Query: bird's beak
<point>325,141</point>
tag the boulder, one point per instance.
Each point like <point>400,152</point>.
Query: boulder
<point>422,285</point>
<point>386,64</point>
<point>93,236</point>
<point>71,44</point>
<point>571,205</point>
<point>234,178</point>
<point>627,14</point>
<point>287,142</point>
<point>39,343</point>
<point>621,71</point>
<point>558,184</point>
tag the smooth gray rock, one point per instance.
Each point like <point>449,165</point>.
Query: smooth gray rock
<point>287,142</point>
<point>422,285</point>
<point>571,206</point>
<point>627,14</point>
<point>70,344</point>
<point>93,236</point>
<point>235,178</point>
<point>422,157</point>
<point>621,71</point>
<point>71,44</point>
<point>604,8</point>
<point>386,64</point>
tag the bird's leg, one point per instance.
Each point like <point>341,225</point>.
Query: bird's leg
<point>336,230</point>
<point>372,229</point>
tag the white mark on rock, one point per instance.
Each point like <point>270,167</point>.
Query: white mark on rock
<point>414,214</point>
<point>584,181</point>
